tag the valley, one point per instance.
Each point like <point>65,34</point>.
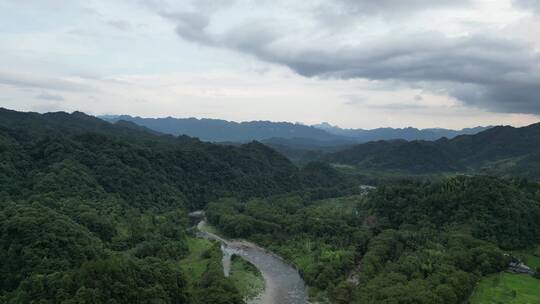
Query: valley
<point>283,284</point>
<point>270,152</point>
<point>112,201</point>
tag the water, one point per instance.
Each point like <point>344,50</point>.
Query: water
<point>283,284</point>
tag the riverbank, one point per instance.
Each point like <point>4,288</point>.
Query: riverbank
<point>283,283</point>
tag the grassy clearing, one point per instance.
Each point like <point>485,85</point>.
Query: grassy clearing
<point>244,275</point>
<point>338,207</point>
<point>211,229</point>
<point>386,174</point>
<point>531,257</point>
<point>246,278</point>
<point>507,288</point>
<point>195,263</point>
<point>532,260</point>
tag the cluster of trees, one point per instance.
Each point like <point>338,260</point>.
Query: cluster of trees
<point>76,251</point>
<point>73,154</point>
<point>324,240</point>
<point>414,242</point>
<point>500,150</point>
<point>92,212</point>
<point>504,212</point>
<point>67,255</point>
<point>424,266</point>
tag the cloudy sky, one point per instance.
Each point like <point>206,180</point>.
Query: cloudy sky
<point>353,63</point>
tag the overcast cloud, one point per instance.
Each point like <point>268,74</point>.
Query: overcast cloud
<point>483,69</point>
<point>528,4</point>
<point>424,63</point>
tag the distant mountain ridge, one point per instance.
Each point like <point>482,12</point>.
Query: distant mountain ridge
<point>217,130</point>
<point>502,150</point>
<point>409,133</point>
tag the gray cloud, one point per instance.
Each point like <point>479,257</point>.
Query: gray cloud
<point>394,6</point>
<point>354,99</point>
<point>497,74</point>
<point>528,4</point>
<point>190,26</point>
<point>36,82</point>
<point>49,96</point>
<point>195,5</point>
<point>363,101</point>
<point>399,106</point>
<point>119,25</point>
<point>344,13</point>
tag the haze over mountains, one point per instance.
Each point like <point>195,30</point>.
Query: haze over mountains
<point>322,135</point>
<point>502,150</point>
<point>409,133</point>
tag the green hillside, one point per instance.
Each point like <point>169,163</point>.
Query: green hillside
<point>92,212</point>
<point>403,243</point>
<point>499,150</point>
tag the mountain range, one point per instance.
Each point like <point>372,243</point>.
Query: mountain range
<point>321,135</point>
<point>84,152</point>
<point>501,150</point>
<point>409,133</point>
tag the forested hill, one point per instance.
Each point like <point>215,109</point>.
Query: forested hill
<point>76,154</point>
<point>505,150</point>
<point>93,212</point>
<point>409,133</point>
<point>407,242</point>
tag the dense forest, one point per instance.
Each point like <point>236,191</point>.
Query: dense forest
<point>61,154</point>
<point>505,151</point>
<point>92,212</point>
<point>407,243</point>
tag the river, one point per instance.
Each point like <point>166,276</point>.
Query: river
<point>283,284</point>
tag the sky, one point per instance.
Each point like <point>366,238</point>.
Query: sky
<point>352,63</point>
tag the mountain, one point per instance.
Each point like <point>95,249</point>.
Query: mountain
<point>409,133</point>
<point>304,150</point>
<point>414,157</point>
<point>94,212</point>
<point>147,169</point>
<point>501,150</point>
<point>322,135</point>
<point>216,130</point>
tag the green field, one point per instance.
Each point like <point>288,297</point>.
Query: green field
<point>507,288</point>
<point>246,278</point>
<point>211,229</point>
<point>532,257</point>
<point>532,261</point>
<point>195,263</point>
